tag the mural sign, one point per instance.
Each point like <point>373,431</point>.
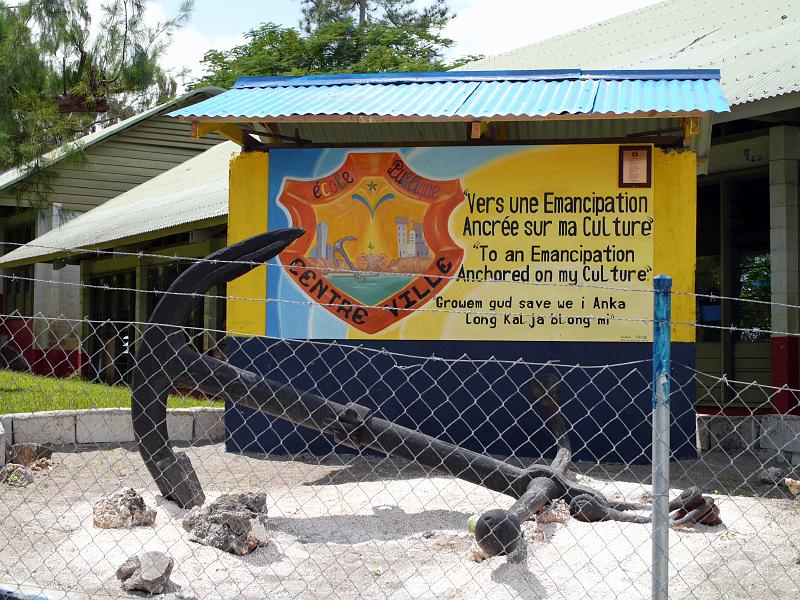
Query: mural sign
<point>501,243</point>
<point>381,238</point>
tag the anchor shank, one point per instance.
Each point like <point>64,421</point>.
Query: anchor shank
<point>221,380</point>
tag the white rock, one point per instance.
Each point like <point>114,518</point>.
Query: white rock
<point>702,434</point>
<point>772,475</point>
<point>146,572</point>
<point>731,433</point>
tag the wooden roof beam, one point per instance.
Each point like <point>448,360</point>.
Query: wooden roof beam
<point>368,119</point>
<point>228,131</point>
<point>271,131</point>
<point>488,130</point>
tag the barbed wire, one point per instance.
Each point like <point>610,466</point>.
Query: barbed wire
<point>606,427</point>
<point>644,320</point>
<point>723,378</point>
<point>271,264</point>
<point>284,301</point>
<point>356,346</point>
<point>328,305</point>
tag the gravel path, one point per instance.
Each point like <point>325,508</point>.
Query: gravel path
<point>362,527</point>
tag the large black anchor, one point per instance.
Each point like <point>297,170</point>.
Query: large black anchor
<point>165,361</point>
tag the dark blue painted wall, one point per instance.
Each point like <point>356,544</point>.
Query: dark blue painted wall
<point>482,402</point>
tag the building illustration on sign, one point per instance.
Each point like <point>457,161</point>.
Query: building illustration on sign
<point>410,240</point>
<point>323,249</point>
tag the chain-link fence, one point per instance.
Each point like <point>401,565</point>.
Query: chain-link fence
<point>280,468</point>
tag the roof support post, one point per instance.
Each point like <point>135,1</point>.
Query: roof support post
<point>86,307</point>
<point>487,130</point>
<point>475,130</point>
<point>727,357</point>
<point>140,312</point>
<point>691,128</point>
<point>784,208</point>
<point>697,136</point>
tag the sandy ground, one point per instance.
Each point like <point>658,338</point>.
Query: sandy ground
<point>362,527</point>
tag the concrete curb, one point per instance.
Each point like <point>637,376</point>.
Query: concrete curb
<point>766,436</point>
<point>105,426</point>
<point>2,445</point>
<point>15,591</point>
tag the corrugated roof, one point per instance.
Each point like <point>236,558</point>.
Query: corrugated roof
<point>463,96</point>
<point>756,45</point>
<point>194,191</point>
<point>16,174</point>
<point>270,102</point>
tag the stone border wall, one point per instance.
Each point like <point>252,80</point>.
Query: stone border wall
<point>105,426</point>
<point>2,443</point>
<point>769,437</point>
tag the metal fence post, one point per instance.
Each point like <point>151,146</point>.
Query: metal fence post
<point>661,451</point>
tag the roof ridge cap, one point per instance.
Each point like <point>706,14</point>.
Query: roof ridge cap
<point>479,77</point>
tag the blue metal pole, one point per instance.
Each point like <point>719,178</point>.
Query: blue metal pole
<point>661,451</point>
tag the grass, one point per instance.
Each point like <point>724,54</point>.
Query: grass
<point>21,392</point>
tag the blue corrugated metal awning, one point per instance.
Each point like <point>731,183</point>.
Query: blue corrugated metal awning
<point>464,96</point>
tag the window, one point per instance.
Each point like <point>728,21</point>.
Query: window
<point>18,293</point>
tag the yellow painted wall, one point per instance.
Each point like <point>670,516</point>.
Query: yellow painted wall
<point>675,184</point>
<point>675,181</point>
<point>247,216</point>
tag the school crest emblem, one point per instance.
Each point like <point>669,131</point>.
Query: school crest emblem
<point>377,246</point>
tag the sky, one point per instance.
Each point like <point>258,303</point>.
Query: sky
<point>480,26</point>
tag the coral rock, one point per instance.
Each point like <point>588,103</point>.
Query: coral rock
<point>43,464</point>
<point>772,475</point>
<point>122,509</point>
<point>27,454</point>
<point>226,523</point>
<point>475,555</point>
<point>16,475</point>
<point>556,512</point>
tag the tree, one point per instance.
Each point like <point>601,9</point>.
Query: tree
<point>30,122</point>
<point>60,82</point>
<point>270,50</point>
<point>398,13</point>
<point>392,37</point>
<point>117,69</point>
<point>423,25</point>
